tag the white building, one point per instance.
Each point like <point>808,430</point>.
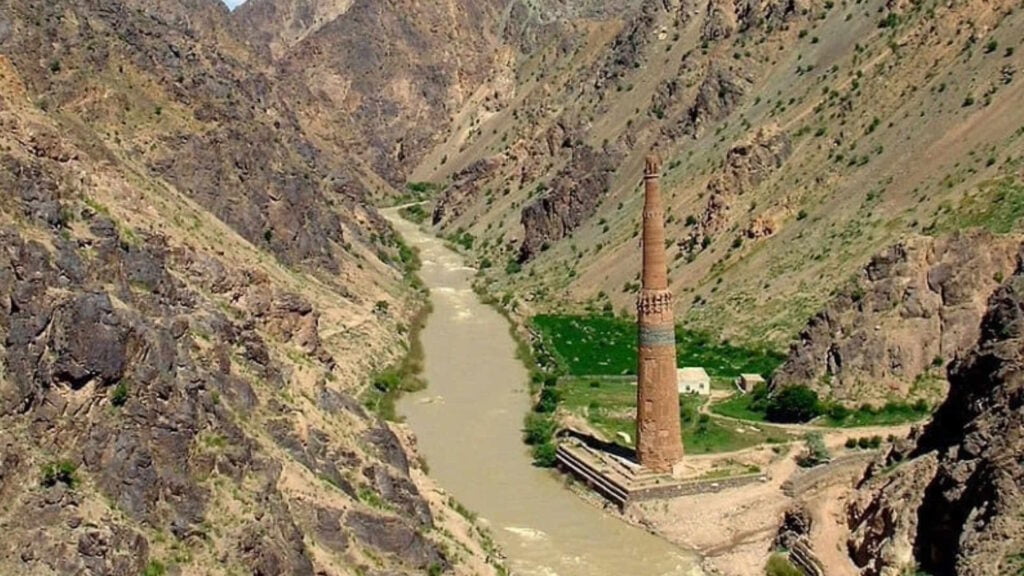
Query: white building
<point>693,381</point>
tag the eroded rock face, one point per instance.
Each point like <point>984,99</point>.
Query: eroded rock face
<point>464,190</point>
<point>727,17</point>
<point>747,164</point>
<point>955,506</point>
<point>913,309</point>
<point>247,160</point>
<point>433,59</point>
<point>574,196</point>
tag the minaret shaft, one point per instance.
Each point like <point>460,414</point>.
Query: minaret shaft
<point>659,444</point>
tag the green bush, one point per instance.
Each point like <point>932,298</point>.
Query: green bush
<point>817,453</point>
<point>794,404</point>
<point>538,428</point>
<point>120,394</point>
<point>549,399</point>
<point>62,471</point>
<point>544,455</point>
<point>155,568</point>
<point>838,412</point>
<point>759,397</point>
<point>779,565</point>
<point>851,443</point>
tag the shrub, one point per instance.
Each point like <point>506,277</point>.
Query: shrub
<point>544,455</point>
<point>759,397</point>
<point>63,471</point>
<point>155,568</point>
<point>851,443</point>
<point>817,453</point>
<point>864,442</point>
<point>838,412</point>
<point>875,441</point>
<point>549,398</point>
<point>120,394</point>
<point>793,404</point>
<point>890,21</point>
<point>538,429</point>
<point>779,565</point>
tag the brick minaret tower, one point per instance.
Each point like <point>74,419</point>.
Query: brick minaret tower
<point>659,445</point>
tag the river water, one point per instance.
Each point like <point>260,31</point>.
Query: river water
<point>468,423</point>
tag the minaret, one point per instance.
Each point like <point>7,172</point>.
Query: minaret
<point>659,445</point>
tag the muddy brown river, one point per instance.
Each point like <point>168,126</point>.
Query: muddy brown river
<point>468,423</point>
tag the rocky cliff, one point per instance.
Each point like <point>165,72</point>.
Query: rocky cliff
<point>913,309</point>
<point>951,501</point>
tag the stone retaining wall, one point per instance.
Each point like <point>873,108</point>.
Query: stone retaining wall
<point>690,487</point>
<point>827,475</point>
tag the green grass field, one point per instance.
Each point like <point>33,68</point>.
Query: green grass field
<point>606,345</point>
<point>609,405</point>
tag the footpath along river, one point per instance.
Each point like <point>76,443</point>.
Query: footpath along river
<point>468,424</point>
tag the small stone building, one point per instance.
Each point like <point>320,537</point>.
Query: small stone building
<point>746,382</point>
<point>693,381</point>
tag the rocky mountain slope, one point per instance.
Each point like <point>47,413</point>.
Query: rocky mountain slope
<point>891,333</point>
<point>392,76</point>
<point>189,305</point>
<point>799,139</point>
<point>951,501</point>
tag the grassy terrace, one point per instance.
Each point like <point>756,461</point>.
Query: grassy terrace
<point>606,345</point>
<point>609,405</point>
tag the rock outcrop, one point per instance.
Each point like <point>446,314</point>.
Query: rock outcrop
<point>951,502</point>
<point>747,164</point>
<point>912,310</point>
<point>463,190</point>
<point>573,197</point>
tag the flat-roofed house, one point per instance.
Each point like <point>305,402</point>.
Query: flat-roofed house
<point>693,380</point>
<point>746,382</point>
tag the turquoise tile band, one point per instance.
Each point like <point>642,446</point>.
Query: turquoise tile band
<point>657,336</point>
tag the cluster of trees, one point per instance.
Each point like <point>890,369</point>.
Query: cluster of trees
<point>798,404</point>
<point>793,404</point>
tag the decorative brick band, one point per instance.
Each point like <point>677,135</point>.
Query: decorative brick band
<point>654,302</point>
<point>656,336</point>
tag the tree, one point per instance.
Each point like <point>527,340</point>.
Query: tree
<point>817,453</point>
<point>793,404</point>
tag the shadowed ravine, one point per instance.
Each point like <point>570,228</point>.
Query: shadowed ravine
<point>468,424</point>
